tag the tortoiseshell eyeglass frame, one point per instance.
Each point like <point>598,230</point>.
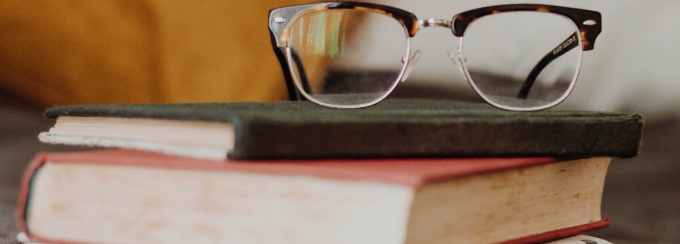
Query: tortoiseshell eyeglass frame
<point>588,22</point>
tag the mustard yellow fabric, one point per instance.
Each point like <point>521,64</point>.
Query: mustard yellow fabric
<point>138,51</point>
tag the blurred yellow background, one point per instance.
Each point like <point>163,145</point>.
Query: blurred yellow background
<point>138,51</point>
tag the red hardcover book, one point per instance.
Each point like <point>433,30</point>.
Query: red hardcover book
<point>122,196</point>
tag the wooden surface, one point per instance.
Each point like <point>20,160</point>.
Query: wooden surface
<point>642,194</point>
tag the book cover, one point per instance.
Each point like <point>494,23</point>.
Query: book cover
<point>125,196</point>
<point>394,128</point>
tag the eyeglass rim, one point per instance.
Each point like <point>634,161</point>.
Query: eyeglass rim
<point>485,97</point>
<point>587,21</point>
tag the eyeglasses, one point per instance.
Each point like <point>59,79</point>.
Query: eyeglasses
<point>521,57</point>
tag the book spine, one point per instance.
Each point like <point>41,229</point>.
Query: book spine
<point>455,138</point>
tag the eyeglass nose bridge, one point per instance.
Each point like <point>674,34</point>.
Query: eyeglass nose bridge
<point>424,23</point>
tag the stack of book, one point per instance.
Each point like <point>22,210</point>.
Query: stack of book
<point>404,171</point>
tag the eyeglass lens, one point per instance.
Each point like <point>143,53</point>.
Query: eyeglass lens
<point>341,58</point>
<point>501,51</point>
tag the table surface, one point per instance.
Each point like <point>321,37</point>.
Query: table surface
<point>642,194</point>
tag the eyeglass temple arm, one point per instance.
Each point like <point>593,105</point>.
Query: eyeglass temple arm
<point>567,45</point>
<point>301,71</point>
<point>293,93</point>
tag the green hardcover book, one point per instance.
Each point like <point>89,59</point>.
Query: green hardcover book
<point>393,128</point>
